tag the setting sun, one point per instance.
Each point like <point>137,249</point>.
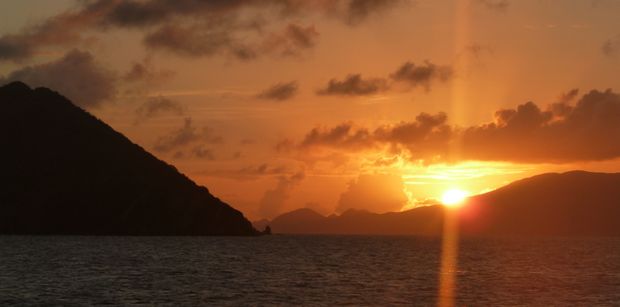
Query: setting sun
<point>454,197</point>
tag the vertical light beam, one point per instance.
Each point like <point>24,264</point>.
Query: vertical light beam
<point>449,258</point>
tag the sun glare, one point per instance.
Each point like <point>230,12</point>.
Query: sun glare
<point>454,197</point>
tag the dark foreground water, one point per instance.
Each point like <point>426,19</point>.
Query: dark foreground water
<point>308,270</point>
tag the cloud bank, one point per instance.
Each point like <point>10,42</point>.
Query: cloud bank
<point>239,28</point>
<point>563,132</point>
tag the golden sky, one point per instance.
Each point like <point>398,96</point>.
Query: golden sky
<point>328,104</point>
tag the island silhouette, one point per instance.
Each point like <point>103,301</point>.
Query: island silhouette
<point>575,203</point>
<point>66,172</point>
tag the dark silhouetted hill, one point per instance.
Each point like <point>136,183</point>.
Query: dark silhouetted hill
<point>570,204</point>
<point>66,172</point>
<point>420,221</point>
<point>575,203</point>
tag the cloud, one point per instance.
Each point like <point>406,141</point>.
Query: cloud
<point>586,131</point>
<point>189,27</point>
<point>185,136</point>
<point>280,92</point>
<point>157,106</point>
<point>60,30</point>
<point>375,193</point>
<point>292,41</point>
<point>195,41</point>
<point>408,75</point>
<point>203,153</point>
<point>427,131</point>
<point>611,47</point>
<point>561,133</point>
<point>421,75</point>
<point>341,136</point>
<point>568,96</point>
<point>144,73</point>
<point>15,47</point>
<point>272,202</point>
<point>220,37</point>
<point>76,75</point>
<point>497,5</point>
<point>354,85</point>
<point>359,10</point>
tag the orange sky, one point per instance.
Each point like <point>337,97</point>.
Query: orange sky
<point>317,103</point>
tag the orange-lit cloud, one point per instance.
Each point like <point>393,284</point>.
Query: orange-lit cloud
<point>374,193</point>
<point>273,200</point>
<point>563,132</point>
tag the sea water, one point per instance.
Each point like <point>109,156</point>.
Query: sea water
<point>305,270</point>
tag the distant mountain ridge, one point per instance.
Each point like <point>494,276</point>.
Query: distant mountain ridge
<point>576,203</point>
<point>66,172</point>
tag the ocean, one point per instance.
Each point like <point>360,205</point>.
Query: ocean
<point>307,270</point>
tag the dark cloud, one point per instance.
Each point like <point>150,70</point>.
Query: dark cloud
<point>185,136</point>
<point>194,41</point>
<point>422,75</point>
<point>149,13</point>
<point>207,39</point>
<point>189,27</point>
<point>190,41</point>
<point>61,30</point>
<point>359,10</point>
<point>427,131</point>
<point>291,42</point>
<point>585,131</point>
<point>156,106</point>
<point>562,106</point>
<point>375,193</point>
<point>354,85</point>
<point>301,37</point>
<point>203,153</point>
<point>341,136</point>
<point>498,5</point>
<point>611,47</point>
<point>569,96</point>
<point>408,75</point>
<point>280,91</point>
<point>144,72</point>
<point>272,202</point>
<point>15,47</point>
<point>76,75</point>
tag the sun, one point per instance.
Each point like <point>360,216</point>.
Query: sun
<point>454,197</point>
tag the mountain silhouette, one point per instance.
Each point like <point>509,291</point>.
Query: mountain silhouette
<point>420,221</point>
<point>66,172</point>
<point>575,203</point>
